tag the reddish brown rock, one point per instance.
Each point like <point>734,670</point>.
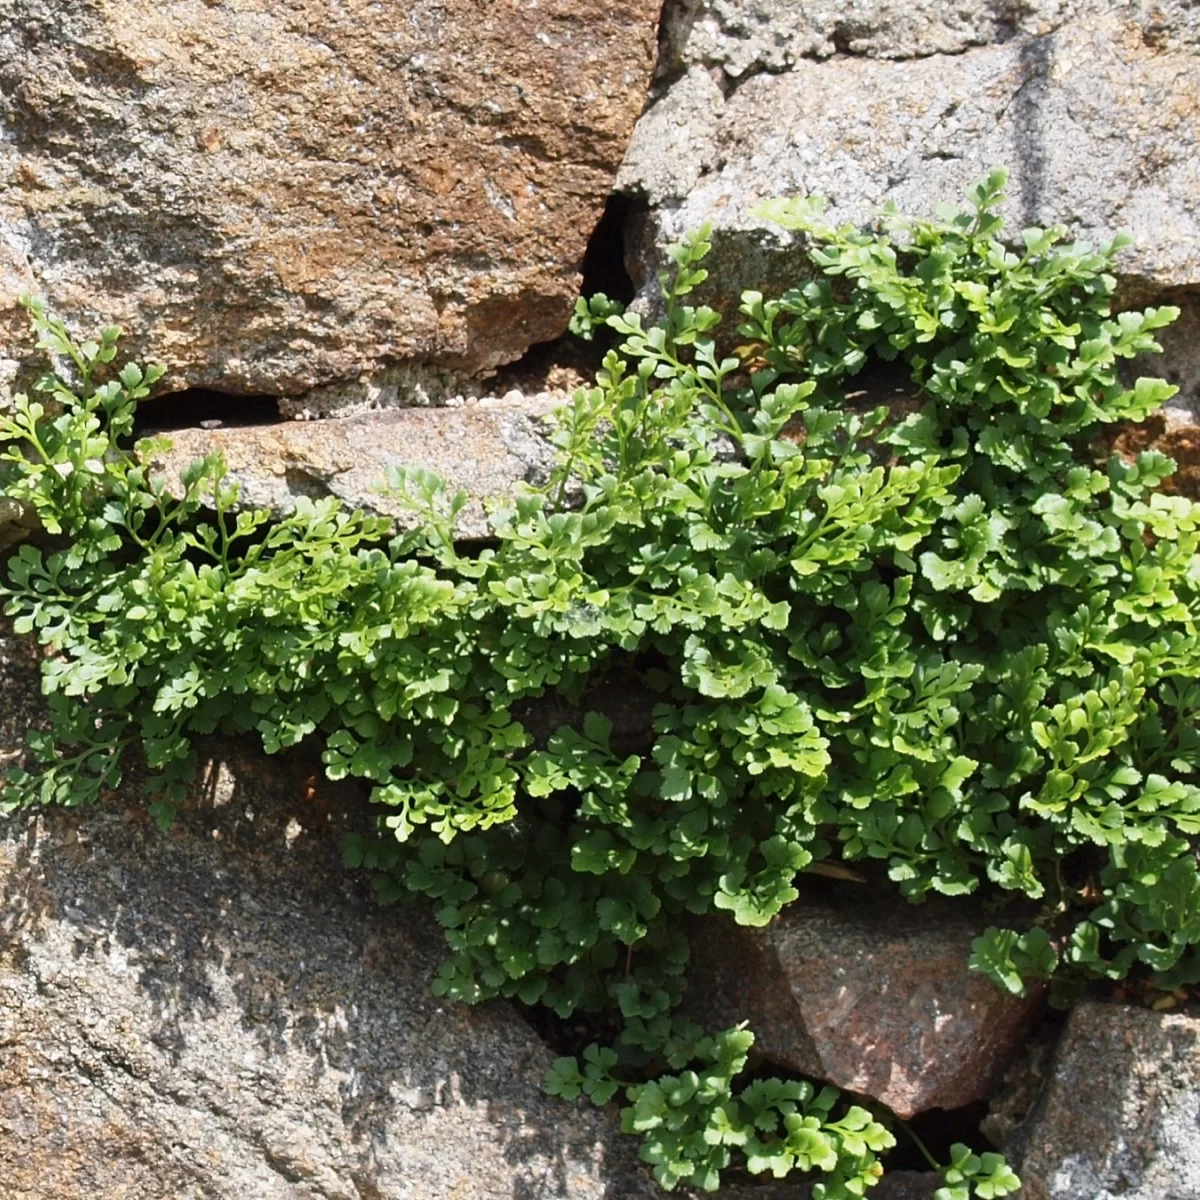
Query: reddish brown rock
<point>874,996</point>
<point>1179,440</point>
<point>270,195</point>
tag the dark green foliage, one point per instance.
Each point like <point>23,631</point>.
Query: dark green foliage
<point>952,641</point>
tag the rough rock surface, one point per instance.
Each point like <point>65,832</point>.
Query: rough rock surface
<point>17,522</point>
<point>1119,1114</point>
<point>907,1185</point>
<point>485,450</point>
<point>872,995</point>
<point>1098,118</point>
<point>275,194</point>
<point>744,36</point>
<point>15,280</point>
<point>223,1012</point>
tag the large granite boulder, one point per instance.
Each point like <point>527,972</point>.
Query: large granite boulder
<point>1119,1112</point>
<point>871,994</point>
<point>224,1013</point>
<point>275,195</point>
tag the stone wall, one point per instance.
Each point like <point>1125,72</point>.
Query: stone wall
<point>354,205</point>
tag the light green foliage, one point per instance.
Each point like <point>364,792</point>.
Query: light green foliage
<point>693,1121</point>
<point>592,313</point>
<point>953,641</point>
<point>969,1174</point>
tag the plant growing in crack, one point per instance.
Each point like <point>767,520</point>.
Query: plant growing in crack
<point>953,640</point>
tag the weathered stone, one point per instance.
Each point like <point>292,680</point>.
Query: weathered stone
<point>15,280</point>
<point>17,522</point>
<point>270,195</point>
<point>1120,1110</point>
<point>1013,1101</point>
<point>746,36</point>
<point>223,1013</point>
<point>1178,439</point>
<point>483,449</point>
<point>907,1185</point>
<point>873,995</point>
<point>675,143</point>
<point>1098,120</point>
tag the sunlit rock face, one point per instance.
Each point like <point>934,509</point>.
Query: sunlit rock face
<point>270,195</point>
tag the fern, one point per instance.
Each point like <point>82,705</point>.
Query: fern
<point>954,640</point>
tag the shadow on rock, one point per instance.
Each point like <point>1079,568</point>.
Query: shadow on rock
<point>223,1010</point>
